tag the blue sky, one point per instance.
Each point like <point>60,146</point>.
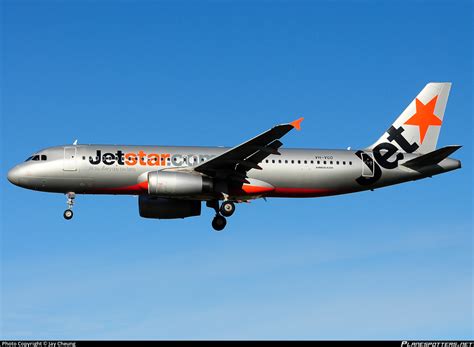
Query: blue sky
<point>395,263</point>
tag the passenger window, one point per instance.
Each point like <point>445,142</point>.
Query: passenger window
<point>292,161</point>
<point>273,161</point>
<point>299,161</point>
<point>319,162</point>
<point>306,162</point>
<point>266,161</point>
<point>279,161</point>
<point>330,162</point>
<point>325,162</point>
<point>350,163</point>
<point>286,161</point>
<point>337,162</point>
<point>312,162</point>
<point>43,157</point>
<point>343,163</point>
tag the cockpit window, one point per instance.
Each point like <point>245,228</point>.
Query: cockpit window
<point>37,157</point>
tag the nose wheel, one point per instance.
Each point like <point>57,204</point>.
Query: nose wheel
<point>70,202</point>
<point>68,214</point>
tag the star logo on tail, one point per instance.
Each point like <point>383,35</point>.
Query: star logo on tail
<point>424,117</point>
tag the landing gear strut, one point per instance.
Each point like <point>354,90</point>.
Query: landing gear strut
<point>227,209</point>
<point>70,202</point>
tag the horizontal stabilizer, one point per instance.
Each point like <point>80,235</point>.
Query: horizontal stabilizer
<point>431,158</point>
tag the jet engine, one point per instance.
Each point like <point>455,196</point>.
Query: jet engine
<point>171,183</point>
<point>163,208</point>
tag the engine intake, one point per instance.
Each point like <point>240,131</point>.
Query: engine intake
<point>169,183</point>
<point>163,208</point>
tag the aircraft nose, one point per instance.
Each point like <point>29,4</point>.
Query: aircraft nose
<point>14,175</point>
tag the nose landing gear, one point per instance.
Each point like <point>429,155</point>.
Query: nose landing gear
<point>70,202</point>
<point>68,214</point>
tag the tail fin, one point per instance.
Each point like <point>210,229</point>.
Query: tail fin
<point>417,128</point>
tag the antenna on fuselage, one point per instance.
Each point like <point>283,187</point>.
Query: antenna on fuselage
<point>75,142</point>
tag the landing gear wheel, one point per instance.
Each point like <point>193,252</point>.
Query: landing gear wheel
<point>68,214</point>
<point>218,223</point>
<point>227,208</point>
<point>70,202</point>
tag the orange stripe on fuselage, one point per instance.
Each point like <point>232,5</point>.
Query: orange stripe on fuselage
<point>249,189</point>
<point>142,188</point>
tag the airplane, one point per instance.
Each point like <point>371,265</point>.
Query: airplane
<point>172,182</point>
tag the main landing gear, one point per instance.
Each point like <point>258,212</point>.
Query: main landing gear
<point>70,202</point>
<point>219,223</point>
<point>227,209</point>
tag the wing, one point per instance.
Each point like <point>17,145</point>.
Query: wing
<point>234,164</point>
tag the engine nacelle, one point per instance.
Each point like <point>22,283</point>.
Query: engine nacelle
<point>171,183</point>
<point>163,208</point>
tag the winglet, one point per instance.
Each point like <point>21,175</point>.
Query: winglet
<point>297,123</point>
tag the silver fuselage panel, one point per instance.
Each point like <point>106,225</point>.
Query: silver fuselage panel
<point>121,169</point>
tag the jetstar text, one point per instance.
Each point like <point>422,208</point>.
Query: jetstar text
<point>147,159</point>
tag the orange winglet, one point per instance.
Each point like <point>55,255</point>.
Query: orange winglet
<point>297,123</point>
